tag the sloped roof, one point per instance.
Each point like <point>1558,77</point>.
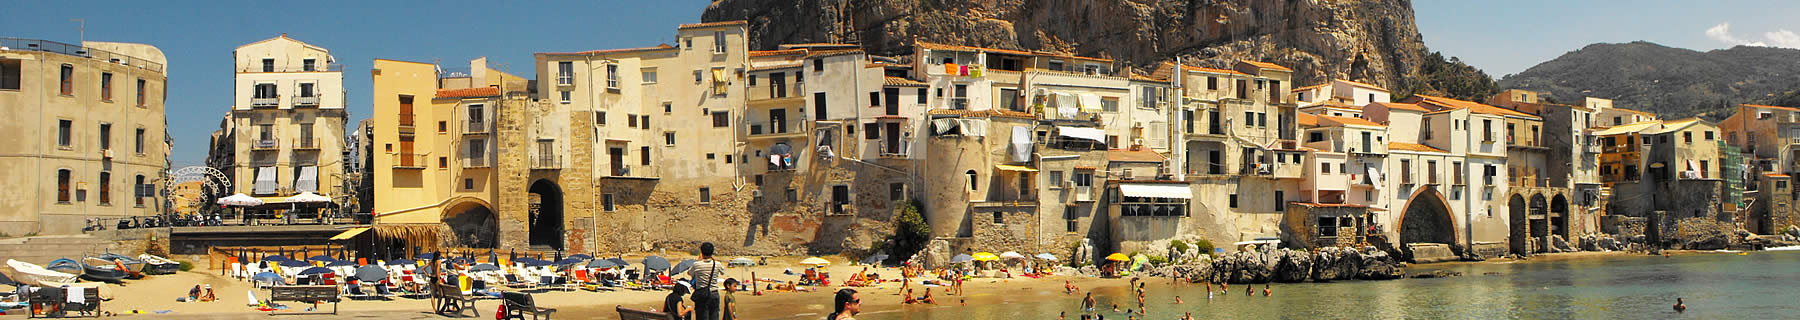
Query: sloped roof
<point>1678,125</point>
<point>831,53</point>
<point>1309,87</point>
<point>1364,85</point>
<point>1332,121</point>
<point>1334,103</point>
<point>1266,65</point>
<point>1628,128</point>
<point>1211,70</point>
<point>983,113</point>
<point>1475,107</point>
<point>1141,155</point>
<point>901,82</point>
<point>713,24</point>
<point>765,53</point>
<point>1306,119</point>
<point>1770,107</point>
<point>1413,147</point>
<point>1401,106</point>
<point>468,92</point>
<point>664,46</point>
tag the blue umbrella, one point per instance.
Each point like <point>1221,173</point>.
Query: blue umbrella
<point>315,270</point>
<point>484,267</point>
<point>399,262</point>
<point>293,264</point>
<point>321,257</point>
<point>341,263</point>
<point>601,264</point>
<point>268,276</point>
<point>276,258</point>
<point>582,256</point>
<point>371,273</point>
<point>656,263</point>
<point>683,266</point>
<point>961,258</point>
<point>618,261</point>
<point>425,256</point>
<point>493,258</point>
<point>569,261</point>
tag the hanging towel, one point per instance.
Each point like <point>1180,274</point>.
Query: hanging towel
<point>1021,143</point>
<point>979,70</point>
<point>950,68</point>
<point>963,71</point>
<point>76,295</point>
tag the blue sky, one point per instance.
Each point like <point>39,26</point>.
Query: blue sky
<point>1501,37</point>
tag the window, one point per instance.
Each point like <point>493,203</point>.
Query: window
<point>1431,171</point>
<point>606,202</point>
<point>896,191</point>
<point>105,188</point>
<point>972,181</point>
<point>705,195</point>
<point>468,184</point>
<point>697,76</point>
<point>1212,83</point>
<point>669,138</point>
<point>1328,226</point>
<point>1487,130</point>
<point>612,76</point>
<point>871,131</point>
<point>687,43</point>
<point>565,73</point>
<point>68,80</point>
<point>443,127</point>
<point>9,74</point>
<point>1687,137</point>
<point>631,120</point>
<point>921,96</point>
<point>721,119</point>
<point>566,97</point>
<point>105,136</point>
<point>1280,202</point>
<point>668,107</point>
<point>1709,136</point>
<point>1056,65</point>
<point>308,65</point>
<point>1083,179</point>
<point>140,141</point>
<point>1487,177</point>
<point>306,90</point>
<point>818,105</point>
<point>1262,119</point>
<point>1509,133</point>
<point>840,198</point>
<point>792,196</point>
<point>644,155</point>
<point>649,76</point>
<point>1009,98</point>
<point>999,217</point>
<point>1243,89</point>
<point>1406,171</point>
<point>63,128</point>
<point>818,65</point>
<point>106,86</point>
<point>1232,200</point>
<point>875,99</point>
<point>1324,168</point>
<point>62,186</point>
<point>1056,178</point>
<point>1109,104</point>
<point>645,121</point>
<point>718,42</point>
<point>268,65</point>
<point>136,196</point>
<point>1425,126</point>
<point>1071,214</point>
<point>1456,172</point>
<point>443,162</point>
<point>600,118</point>
<point>1249,118</point>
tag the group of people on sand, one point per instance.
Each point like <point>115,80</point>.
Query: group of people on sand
<point>708,304</point>
<point>1139,287</point>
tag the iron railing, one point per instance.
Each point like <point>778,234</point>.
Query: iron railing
<point>79,51</point>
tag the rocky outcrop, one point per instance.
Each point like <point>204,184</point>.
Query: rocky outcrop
<point>1333,264</point>
<point>1272,265</point>
<point>1703,234</point>
<point>1292,266</point>
<point>1373,41</point>
<point>1599,242</point>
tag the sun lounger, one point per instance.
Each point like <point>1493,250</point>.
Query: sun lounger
<point>518,304</point>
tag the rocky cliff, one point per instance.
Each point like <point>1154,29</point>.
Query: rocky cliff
<point>1366,40</point>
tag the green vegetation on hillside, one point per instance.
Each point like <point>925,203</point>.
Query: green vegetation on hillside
<point>1448,78</point>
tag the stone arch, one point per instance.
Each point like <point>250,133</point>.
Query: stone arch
<point>1518,225</point>
<point>1426,219</point>
<point>472,224</point>
<point>545,221</point>
<point>1559,216</point>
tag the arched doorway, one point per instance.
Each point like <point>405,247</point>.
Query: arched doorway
<point>472,225</point>
<point>1519,237</point>
<point>1427,220</point>
<point>1559,216</point>
<point>1540,227</point>
<point>546,219</point>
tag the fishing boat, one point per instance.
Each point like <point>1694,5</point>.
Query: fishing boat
<point>159,265</point>
<point>65,265</point>
<point>103,270</point>
<point>40,276</point>
<point>131,264</point>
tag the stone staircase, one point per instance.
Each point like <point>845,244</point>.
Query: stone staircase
<point>41,250</point>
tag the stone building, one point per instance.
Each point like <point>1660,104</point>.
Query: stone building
<point>287,120</point>
<point>1766,136</point>
<point>88,138</point>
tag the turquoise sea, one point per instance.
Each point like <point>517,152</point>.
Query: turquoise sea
<point>1760,285</point>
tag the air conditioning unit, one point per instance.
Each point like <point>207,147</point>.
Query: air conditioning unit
<point>106,153</point>
<point>1127,174</point>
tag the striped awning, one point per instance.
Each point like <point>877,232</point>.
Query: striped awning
<point>1008,167</point>
<point>347,234</point>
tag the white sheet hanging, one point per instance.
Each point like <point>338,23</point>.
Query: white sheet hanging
<point>1021,144</point>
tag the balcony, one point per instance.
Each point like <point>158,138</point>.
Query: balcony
<point>632,171</point>
<point>783,163</point>
<point>959,103</point>
<point>258,67</point>
<point>306,144</point>
<point>265,145</point>
<point>405,125</point>
<point>408,160</point>
<point>546,162</point>
<point>312,101</point>
<point>265,102</point>
<point>477,127</point>
<point>477,161</point>
<point>565,79</point>
<point>896,150</point>
<point>774,129</point>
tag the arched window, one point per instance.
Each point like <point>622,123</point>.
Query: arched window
<point>971,174</point>
<point>105,188</point>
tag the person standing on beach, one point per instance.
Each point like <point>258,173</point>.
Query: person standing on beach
<point>704,273</point>
<point>1087,304</point>
<point>847,303</point>
<point>728,303</point>
<point>1249,291</point>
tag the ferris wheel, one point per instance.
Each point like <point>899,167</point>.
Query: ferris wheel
<point>213,182</point>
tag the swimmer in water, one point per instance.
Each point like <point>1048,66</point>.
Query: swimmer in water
<point>1680,306</point>
<point>1266,291</point>
<point>1177,299</point>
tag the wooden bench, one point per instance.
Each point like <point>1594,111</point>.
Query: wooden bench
<point>54,303</point>
<point>450,300</point>
<point>635,314</point>
<point>306,294</point>
<point>518,304</point>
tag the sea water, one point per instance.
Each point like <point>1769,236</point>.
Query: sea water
<point>1757,285</point>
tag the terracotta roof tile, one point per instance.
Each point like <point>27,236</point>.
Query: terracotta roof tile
<point>1413,147</point>
<point>1306,119</point>
<point>1266,65</point>
<point>984,113</point>
<point>901,82</point>
<point>779,66</point>
<point>657,47</point>
<point>1309,87</point>
<point>1475,107</point>
<point>713,24</point>
<point>1401,106</point>
<point>830,53</point>
<point>1364,85</point>
<point>468,92</point>
<point>1770,107</point>
<point>1211,70</point>
<point>1778,175</point>
<point>1331,121</point>
<point>765,53</point>
<point>1141,155</point>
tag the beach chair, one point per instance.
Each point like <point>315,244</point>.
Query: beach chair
<point>354,290</point>
<point>381,290</point>
<point>518,304</point>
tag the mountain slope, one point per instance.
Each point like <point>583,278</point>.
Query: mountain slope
<point>1673,82</point>
<point>1366,40</point>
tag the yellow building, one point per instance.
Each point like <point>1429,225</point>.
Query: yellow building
<point>287,120</point>
<point>87,134</point>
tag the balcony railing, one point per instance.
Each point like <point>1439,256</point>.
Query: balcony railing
<point>565,80</point>
<point>265,102</point>
<point>306,143</point>
<point>896,150</point>
<point>477,161</point>
<point>257,67</point>
<point>959,103</point>
<point>475,127</point>
<point>79,51</point>
<point>546,162</point>
<point>408,160</point>
<point>266,144</point>
<point>406,120</point>
<point>633,171</point>
<point>306,101</point>
<point>773,128</point>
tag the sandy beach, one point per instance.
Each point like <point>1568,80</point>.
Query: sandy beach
<point>158,294</point>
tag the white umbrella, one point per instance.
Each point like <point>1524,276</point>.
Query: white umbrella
<point>1046,256</point>
<point>307,197</point>
<point>1011,255</point>
<point>240,200</point>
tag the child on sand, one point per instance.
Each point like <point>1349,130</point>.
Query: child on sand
<point>927,298</point>
<point>909,297</point>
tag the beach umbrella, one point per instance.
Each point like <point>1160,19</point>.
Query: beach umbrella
<point>582,256</point>
<point>307,197</point>
<point>569,261</point>
<point>683,266</point>
<point>371,273</point>
<point>601,264</point>
<point>961,258</point>
<point>240,200</point>
<point>341,263</point>
<point>291,263</point>
<point>656,263</point>
<point>618,261</point>
<point>815,261</point>
<point>315,270</point>
<point>1011,255</point>
<point>324,258</point>
<point>742,262</point>
<point>276,259</point>
<point>985,256</point>
<point>874,259</point>
<point>1046,256</point>
<point>425,256</point>
<point>267,276</point>
<point>399,262</point>
<point>7,281</point>
<point>1118,257</point>
<point>532,262</point>
<point>484,267</point>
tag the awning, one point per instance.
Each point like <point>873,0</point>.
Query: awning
<point>1082,133</point>
<point>308,181</point>
<point>718,80</point>
<point>347,234</point>
<point>265,181</point>
<point>1090,102</point>
<point>1008,167</point>
<point>1164,191</point>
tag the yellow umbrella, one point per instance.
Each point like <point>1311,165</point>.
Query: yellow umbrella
<point>1118,257</point>
<point>985,256</point>
<point>815,261</point>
